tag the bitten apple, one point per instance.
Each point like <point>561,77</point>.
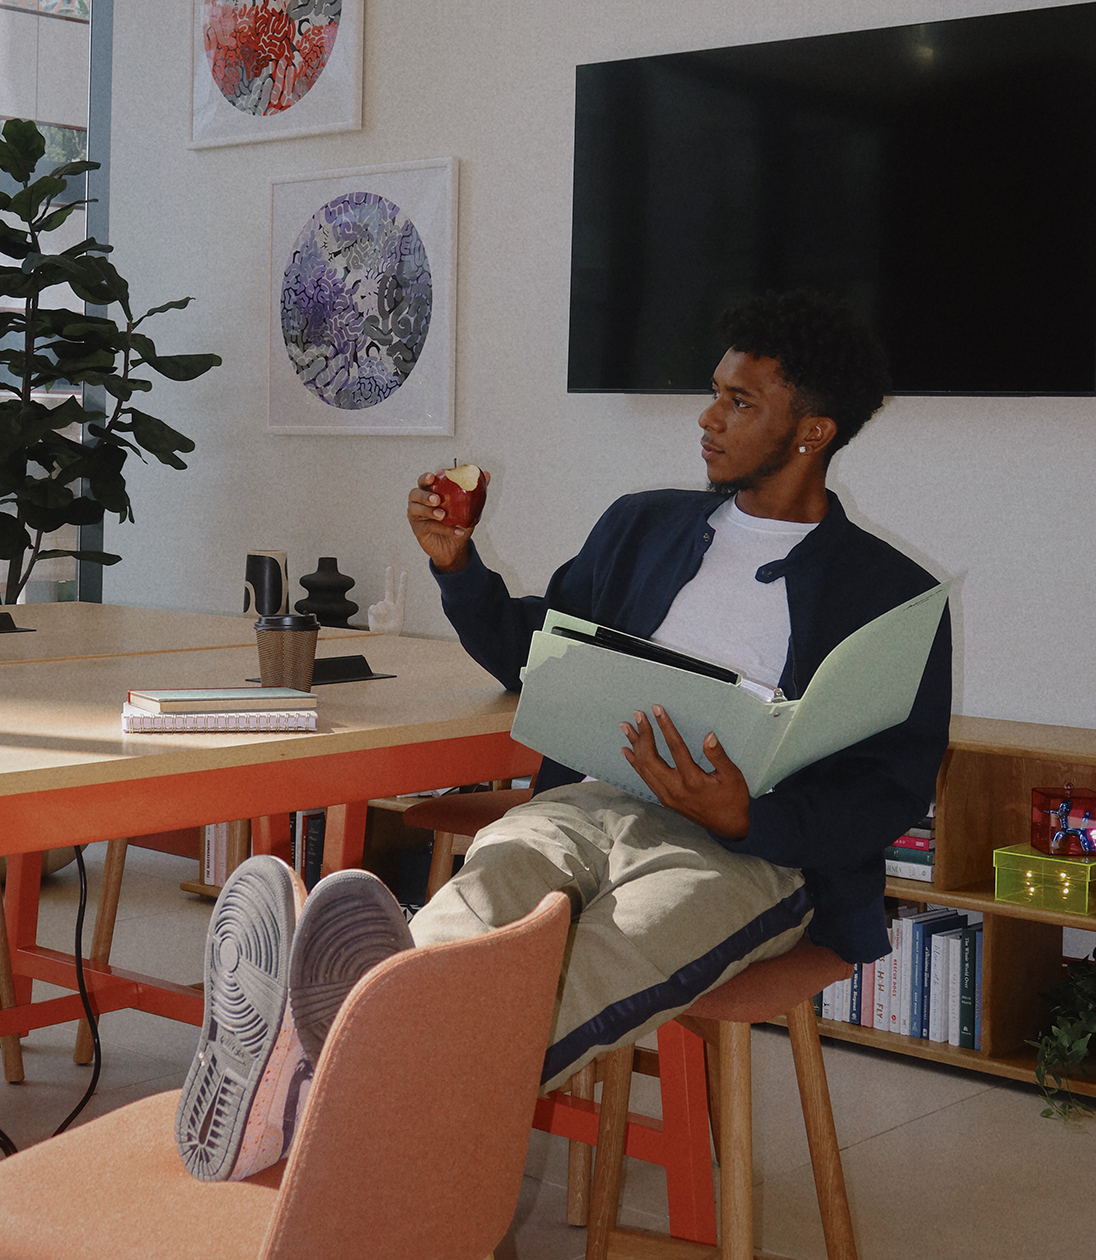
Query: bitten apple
<point>463,493</point>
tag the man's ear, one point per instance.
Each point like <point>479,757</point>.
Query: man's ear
<point>816,433</point>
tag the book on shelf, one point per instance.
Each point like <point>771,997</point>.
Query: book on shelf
<point>315,824</point>
<point>140,722</point>
<point>979,937</point>
<point>968,984</point>
<point>895,853</point>
<point>923,998</point>
<point>940,985</point>
<point>867,683</point>
<point>908,843</point>
<point>955,982</point>
<point>909,870</point>
<point>221,699</point>
<point>898,930</point>
<point>867,994</point>
<point>298,837</point>
<point>215,854</point>
<point>909,1012</point>
<point>882,979</point>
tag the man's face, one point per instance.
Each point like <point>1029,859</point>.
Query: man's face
<point>750,426</point>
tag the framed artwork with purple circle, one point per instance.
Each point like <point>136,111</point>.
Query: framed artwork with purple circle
<point>361,301</point>
<point>271,69</point>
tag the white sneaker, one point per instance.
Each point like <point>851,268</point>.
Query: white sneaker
<point>349,923</point>
<point>250,1076</point>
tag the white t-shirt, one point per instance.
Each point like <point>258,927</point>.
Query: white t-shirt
<point>724,614</point>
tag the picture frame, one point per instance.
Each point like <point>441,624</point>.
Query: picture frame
<point>362,309</point>
<point>316,87</point>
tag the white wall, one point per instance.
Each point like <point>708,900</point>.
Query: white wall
<point>993,491</point>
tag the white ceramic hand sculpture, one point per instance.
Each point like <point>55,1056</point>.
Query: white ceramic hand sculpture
<point>387,616</point>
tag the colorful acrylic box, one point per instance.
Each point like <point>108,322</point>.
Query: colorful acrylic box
<point>1026,877</point>
<point>1063,821</point>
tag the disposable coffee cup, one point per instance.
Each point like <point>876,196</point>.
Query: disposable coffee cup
<point>287,649</point>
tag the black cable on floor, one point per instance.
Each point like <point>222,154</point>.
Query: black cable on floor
<point>7,1146</point>
<point>88,1012</point>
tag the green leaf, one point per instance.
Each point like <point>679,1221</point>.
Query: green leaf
<point>13,242</point>
<point>21,149</point>
<point>105,480</point>
<point>76,511</point>
<point>159,439</point>
<point>13,537</point>
<point>90,557</point>
<point>55,218</point>
<point>68,169</point>
<point>119,388</point>
<point>178,305</point>
<point>27,203</point>
<point>182,367</point>
<point>90,277</point>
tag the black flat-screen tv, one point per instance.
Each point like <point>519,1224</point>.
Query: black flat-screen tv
<point>941,177</point>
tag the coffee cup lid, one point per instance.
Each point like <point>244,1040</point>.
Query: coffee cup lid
<point>288,621</point>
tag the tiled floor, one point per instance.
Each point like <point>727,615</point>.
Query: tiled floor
<point>939,1163</point>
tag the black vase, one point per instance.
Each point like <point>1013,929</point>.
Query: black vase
<point>327,589</point>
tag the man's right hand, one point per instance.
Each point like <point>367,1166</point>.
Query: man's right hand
<point>446,545</point>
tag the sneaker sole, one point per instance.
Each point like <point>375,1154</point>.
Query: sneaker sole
<point>246,986</point>
<point>349,923</point>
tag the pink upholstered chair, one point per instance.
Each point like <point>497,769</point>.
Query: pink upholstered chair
<point>412,1145</point>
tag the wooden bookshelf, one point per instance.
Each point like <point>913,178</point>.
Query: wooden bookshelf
<point>983,802</point>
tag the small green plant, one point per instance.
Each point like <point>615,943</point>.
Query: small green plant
<point>47,478</point>
<point>1064,1050</point>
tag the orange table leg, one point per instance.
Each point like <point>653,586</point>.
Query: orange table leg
<point>21,907</point>
<point>344,837</point>
<point>270,834</point>
<point>687,1155</point>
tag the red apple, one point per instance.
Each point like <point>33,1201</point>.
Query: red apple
<point>463,493</point>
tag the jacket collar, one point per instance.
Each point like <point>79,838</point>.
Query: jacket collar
<point>829,531</point>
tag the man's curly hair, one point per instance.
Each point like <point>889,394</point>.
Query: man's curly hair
<point>834,364</point>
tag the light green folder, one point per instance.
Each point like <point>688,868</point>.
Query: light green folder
<point>575,695</point>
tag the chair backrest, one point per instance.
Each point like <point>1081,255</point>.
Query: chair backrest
<point>414,1136</point>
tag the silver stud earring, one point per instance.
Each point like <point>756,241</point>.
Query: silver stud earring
<point>802,450</point>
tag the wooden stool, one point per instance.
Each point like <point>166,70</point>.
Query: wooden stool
<point>454,819</point>
<point>777,986</point>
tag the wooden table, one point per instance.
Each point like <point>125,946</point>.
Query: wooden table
<point>69,776</point>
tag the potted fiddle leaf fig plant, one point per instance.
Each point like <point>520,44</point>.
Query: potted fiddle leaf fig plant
<point>62,458</point>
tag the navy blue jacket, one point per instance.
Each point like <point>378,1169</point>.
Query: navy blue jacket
<point>832,819</point>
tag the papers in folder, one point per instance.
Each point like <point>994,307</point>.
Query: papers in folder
<point>577,691</point>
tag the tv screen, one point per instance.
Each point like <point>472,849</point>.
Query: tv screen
<point>941,177</point>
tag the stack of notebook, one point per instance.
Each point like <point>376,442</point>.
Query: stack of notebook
<point>219,710</point>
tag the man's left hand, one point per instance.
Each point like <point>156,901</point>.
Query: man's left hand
<point>717,799</point>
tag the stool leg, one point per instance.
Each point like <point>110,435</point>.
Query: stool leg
<point>105,914</point>
<point>609,1165</point>
<point>441,862</point>
<point>736,1142</point>
<point>829,1179</point>
<point>12,1050</point>
<point>580,1154</point>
